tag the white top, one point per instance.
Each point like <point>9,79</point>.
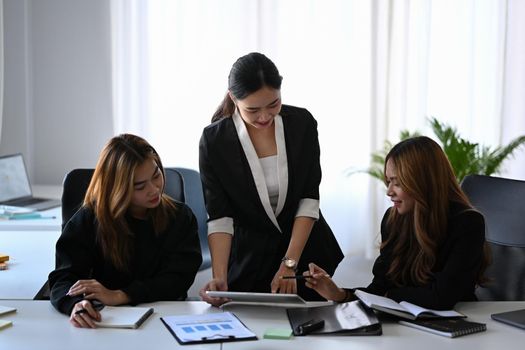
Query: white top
<point>269,167</point>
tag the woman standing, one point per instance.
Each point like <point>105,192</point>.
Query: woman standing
<point>260,169</point>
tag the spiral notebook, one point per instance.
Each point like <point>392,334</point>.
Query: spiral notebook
<point>452,327</point>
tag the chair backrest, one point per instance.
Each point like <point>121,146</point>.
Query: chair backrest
<point>195,200</point>
<point>74,188</point>
<point>501,201</point>
<point>77,181</point>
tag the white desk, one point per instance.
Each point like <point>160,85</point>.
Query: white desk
<point>30,245</point>
<point>52,224</point>
<point>395,336</point>
<point>38,325</point>
<point>32,258</point>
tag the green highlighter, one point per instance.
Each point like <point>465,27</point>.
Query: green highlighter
<point>277,333</point>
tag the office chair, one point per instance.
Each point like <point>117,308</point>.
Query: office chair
<point>501,201</point>
<point>75,185</point>
<point>195,200</point>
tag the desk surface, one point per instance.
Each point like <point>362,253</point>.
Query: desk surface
<point>52,222</point>
<point>30,245</point>
<point>38,325</point>
<point>395,336</point>
<point>31,259</point>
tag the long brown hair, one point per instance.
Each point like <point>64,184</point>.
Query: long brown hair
<point>425,174</point>
<point>110,191</point>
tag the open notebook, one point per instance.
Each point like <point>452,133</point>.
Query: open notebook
<point>403,309</point>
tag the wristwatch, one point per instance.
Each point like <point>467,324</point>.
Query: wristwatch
<point>289,263</point>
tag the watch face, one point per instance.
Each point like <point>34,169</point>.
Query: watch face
<point>290,263</point>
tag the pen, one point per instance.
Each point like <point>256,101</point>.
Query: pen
<point>30,217</point>
<point>97,305</point>
<point>300,277</point>
<point>296,277</point>
<point>309,327</point>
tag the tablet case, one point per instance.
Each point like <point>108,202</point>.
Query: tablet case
<point>514,318</point>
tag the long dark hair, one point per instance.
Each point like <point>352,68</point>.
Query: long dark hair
<point>248,74</point>
<point>110,191</point>
<point>425,174</point>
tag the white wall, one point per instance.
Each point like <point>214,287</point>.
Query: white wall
<point>16,116</point>
<point>57,107</point>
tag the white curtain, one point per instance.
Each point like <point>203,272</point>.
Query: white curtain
<point>512,121</point>
<point>130,42</point>
<point>1,65</point>
<point>365,69</point>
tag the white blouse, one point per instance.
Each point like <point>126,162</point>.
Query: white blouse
<point>269,167</point>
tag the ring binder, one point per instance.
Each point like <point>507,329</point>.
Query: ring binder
<point>350,318</point>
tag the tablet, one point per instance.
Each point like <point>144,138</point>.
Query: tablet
<point>269,299</point>
<point>514,318</point>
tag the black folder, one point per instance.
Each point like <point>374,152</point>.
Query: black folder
<point>363,319</point>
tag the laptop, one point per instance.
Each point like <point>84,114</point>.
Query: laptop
<point>514,318</point>
<point>15,189</point>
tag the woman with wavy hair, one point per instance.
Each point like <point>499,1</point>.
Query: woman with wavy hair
<point>129,243</point>
<point>433,250</point>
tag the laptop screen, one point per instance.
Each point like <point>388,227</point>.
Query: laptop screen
<point>13,178</point>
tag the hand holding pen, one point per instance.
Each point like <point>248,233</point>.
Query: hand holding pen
<point>322,283</point>
<point>85,312</point>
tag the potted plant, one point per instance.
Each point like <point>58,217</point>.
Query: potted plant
<point>465,157</point>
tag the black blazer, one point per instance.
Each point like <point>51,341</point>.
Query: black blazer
<point>162,267</point>
<point>455,271</point>
<point>230,191</point>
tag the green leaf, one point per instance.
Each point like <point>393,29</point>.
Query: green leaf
<point>465,157</point>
